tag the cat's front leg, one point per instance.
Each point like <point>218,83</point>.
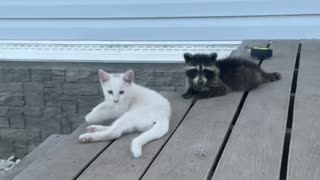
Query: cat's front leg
<point>103,135</point>
<point>120,126</point>
<point>96,128</point>
<point>102,112</point>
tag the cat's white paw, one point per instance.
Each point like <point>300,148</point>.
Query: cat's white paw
<point>136,150</point>
<point>91,129</point>
<point>96,128</point>
<point>85,138</point>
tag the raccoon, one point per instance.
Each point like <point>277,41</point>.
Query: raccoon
<point>206,77</point>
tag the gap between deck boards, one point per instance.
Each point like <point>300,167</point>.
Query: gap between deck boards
<point>287,137</point>
<point>153,159</point>
<point>233,122</point>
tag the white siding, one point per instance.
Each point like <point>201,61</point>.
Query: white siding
<point>159,19</point>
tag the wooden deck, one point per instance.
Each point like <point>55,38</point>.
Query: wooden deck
<point>270,133</point>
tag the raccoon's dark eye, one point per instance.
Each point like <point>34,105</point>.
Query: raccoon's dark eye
<point>208,74</point>
<point>192,73</point>
<point>110,92</point>
<point>121,92</point>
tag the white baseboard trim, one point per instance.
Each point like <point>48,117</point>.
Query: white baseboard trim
<point>110,51</point>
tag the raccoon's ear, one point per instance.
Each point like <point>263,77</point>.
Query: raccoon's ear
<point>187,57</point>
<point>213,56</point>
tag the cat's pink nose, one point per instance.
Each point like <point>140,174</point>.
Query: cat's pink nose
<point>115,100</point>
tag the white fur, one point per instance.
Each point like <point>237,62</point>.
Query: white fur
<point>189,67</point>
<point>196,79</point>
<point>138,109</point>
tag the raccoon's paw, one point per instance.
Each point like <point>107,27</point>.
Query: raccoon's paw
<point>277,75</point>
<point>187,96</point>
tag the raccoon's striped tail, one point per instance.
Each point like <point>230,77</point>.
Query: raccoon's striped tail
<point>270,77</point>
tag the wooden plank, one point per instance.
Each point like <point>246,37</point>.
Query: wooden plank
<point>254,149</point>
<point>192,149</point>
<point>194,146</point>
<point>117,162</point>
<point>304,153</point>
<point>38,153</point>
<point>64,161</point>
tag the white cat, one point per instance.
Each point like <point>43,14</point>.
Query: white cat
<point>134,107</point>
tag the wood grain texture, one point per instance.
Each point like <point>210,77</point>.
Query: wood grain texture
<point>117,162</point>
<point>194,146</point>
<point>304,156</point>
<point>254,149</point>
<point>191,151</point>
<point>65,160</point>
<point>37,153</point>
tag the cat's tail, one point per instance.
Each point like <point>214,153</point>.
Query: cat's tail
<point>270,77</point>
<point>159,129</point>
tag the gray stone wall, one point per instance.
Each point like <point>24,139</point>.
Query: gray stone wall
<point>40,99</point>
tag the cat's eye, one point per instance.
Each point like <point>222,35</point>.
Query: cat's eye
<point>121,92</point>
<point>110,92</point>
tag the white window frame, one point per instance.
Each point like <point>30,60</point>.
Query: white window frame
<point>110,51</point>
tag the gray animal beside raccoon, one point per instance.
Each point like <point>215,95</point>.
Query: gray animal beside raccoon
<point>206,77</point>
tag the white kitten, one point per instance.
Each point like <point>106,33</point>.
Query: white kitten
<point>134,107</point>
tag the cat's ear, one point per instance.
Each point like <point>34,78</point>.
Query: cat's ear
<point>128,76</point>
<point>104,76</point>
<point>187,57</point>
<point>213,56</point>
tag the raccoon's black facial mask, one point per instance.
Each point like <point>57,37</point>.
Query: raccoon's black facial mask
<point>200,68</point>
<point>192,73</point>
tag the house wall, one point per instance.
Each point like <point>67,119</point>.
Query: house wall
<point>40,99</point>
<point>159,19</point>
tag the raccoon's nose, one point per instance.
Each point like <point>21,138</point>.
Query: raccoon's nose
<point>116,100</point>
<point>200,81</point>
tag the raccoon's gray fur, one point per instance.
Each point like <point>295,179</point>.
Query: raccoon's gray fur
<point>206,77</point>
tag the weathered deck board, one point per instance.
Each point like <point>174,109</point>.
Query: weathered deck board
<point>191,151</point>
<point>66,160</point>
<point>194,146</point>
<point>254,149</point>
<point>117,163</point>
<point>304,154</point>
<point>37,153</point>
